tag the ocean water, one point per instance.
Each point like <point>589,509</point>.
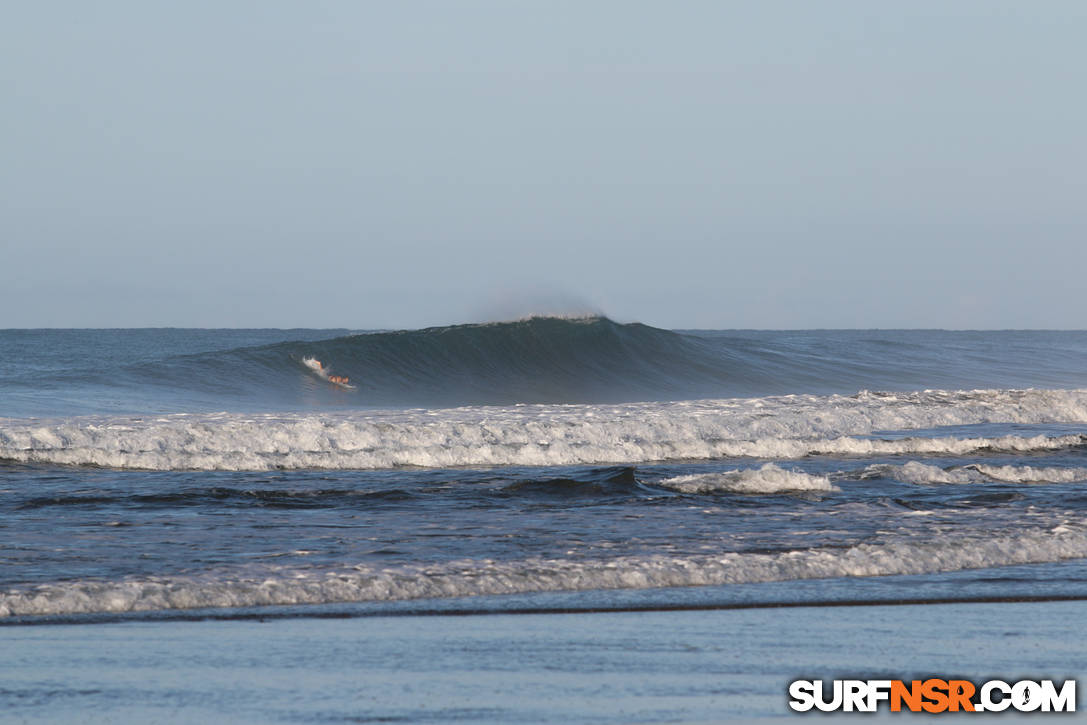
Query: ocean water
<point>616,668</point>
<point>544,464</point>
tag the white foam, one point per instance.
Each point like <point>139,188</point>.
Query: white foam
<point>768,479</point>
<point>315,365</point>
<point>916,472</point>
<point>779,427</point>
<point>926,554</point>
<point>1032,474</point>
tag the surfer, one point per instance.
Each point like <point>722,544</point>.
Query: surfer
<point>317,366</point>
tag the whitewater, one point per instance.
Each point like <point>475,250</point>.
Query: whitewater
<point>776,427</point>
<point>144,472</point>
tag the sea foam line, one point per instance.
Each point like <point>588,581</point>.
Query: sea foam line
<point>779,427</point>
<point>484,578</point>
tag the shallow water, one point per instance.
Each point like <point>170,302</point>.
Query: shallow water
<point>620,667</point>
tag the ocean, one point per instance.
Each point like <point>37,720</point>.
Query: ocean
<point>544,465</point>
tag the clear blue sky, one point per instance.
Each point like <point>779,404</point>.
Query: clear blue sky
<point>399,164</point>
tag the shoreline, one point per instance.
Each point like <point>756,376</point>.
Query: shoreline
<point>348,610</point>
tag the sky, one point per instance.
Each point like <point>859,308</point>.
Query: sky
<point>403,164</point>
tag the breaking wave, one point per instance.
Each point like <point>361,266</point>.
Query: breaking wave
<point>783,427</point>
<point>949,552</point>
<point>768,479</point>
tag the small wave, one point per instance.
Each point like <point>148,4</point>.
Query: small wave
<point>917,472</point>
<point>768,479</point>
<point>783,427</point>
<point>595,484</point>
<point>481,578</point>
<point>226,497</point>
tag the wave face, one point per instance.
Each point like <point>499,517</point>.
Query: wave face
<point>530,361</point>
<point>542,359</point>
<point>537,360</point>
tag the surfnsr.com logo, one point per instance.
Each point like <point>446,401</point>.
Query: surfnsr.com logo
<point>933,695</point>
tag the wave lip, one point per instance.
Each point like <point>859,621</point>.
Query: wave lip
<point>949,552</point>
<point>782,427</point>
